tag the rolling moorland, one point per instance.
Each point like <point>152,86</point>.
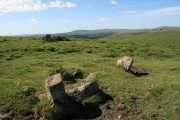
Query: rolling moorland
<point>26,62</point>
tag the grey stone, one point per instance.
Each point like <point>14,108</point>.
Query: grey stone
<point>41,95</point>
<point>85,90</point>
<point>5,118</point>
<point>89,77</point>
<point>55,88</point>
<point>125,61</point>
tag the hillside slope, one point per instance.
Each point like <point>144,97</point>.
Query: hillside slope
<point>152,94</point>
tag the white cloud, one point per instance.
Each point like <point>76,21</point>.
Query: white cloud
<point>114,2</point>
<point>177,20</point>
<point>89,5</point>
<point>169,11</point>
<point>70,5</point>
<point>128,12</point>
<point>33,21</point>
<point>163,12</point>
<point>31,5</point>
<point>59,4</point>
<point>62,21</point>
<point>103,19</point>
<point>11,23</point>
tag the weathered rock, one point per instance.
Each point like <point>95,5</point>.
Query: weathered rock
<point>125,61</point>
<point>85,90</point>
<point>55,88</point>
<point>5,118</point>
<point>90,76</point>
<point>41,95</point>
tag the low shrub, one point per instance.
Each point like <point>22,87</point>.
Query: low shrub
<point>49,38</point>
<point>110,55</point>
<point>40,49</point>
<point>70,50</point>
<point>51,48</point>
<point>89,51</point>
<point>68,76</point>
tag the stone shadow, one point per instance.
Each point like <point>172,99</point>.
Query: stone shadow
<point>138,74</point>
<point>139,71</point>
<point>91,110</point>
<point>74,110</point>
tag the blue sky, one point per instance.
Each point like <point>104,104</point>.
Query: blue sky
<point>59,16</point>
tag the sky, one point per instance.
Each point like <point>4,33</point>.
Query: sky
<point>59,16</point>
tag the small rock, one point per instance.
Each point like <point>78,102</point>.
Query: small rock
<point>41,95</point>
<point>121,106</point>
<point>119,116</point>
<point>5,118</point>
<point>55,88</point>
<point>85,90</point>
<point>125,61</point>
<point>90,76</point>
<point>152,86</point>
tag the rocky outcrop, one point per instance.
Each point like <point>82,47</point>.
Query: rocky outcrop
<point>125,61</point>
<point>55,88</point>
<point>85,90</point>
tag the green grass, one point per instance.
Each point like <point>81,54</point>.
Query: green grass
<point>30,61</point>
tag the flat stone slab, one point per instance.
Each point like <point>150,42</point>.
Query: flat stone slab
<point>85,90</point>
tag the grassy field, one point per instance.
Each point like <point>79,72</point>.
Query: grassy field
<point>29,61</point>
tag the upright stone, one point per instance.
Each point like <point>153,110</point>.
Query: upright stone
<point>125,61</point>
<point>55,88</point>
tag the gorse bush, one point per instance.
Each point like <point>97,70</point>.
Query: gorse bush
<point>49,38</point>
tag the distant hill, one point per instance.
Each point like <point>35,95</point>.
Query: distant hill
<point>92,34</point>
